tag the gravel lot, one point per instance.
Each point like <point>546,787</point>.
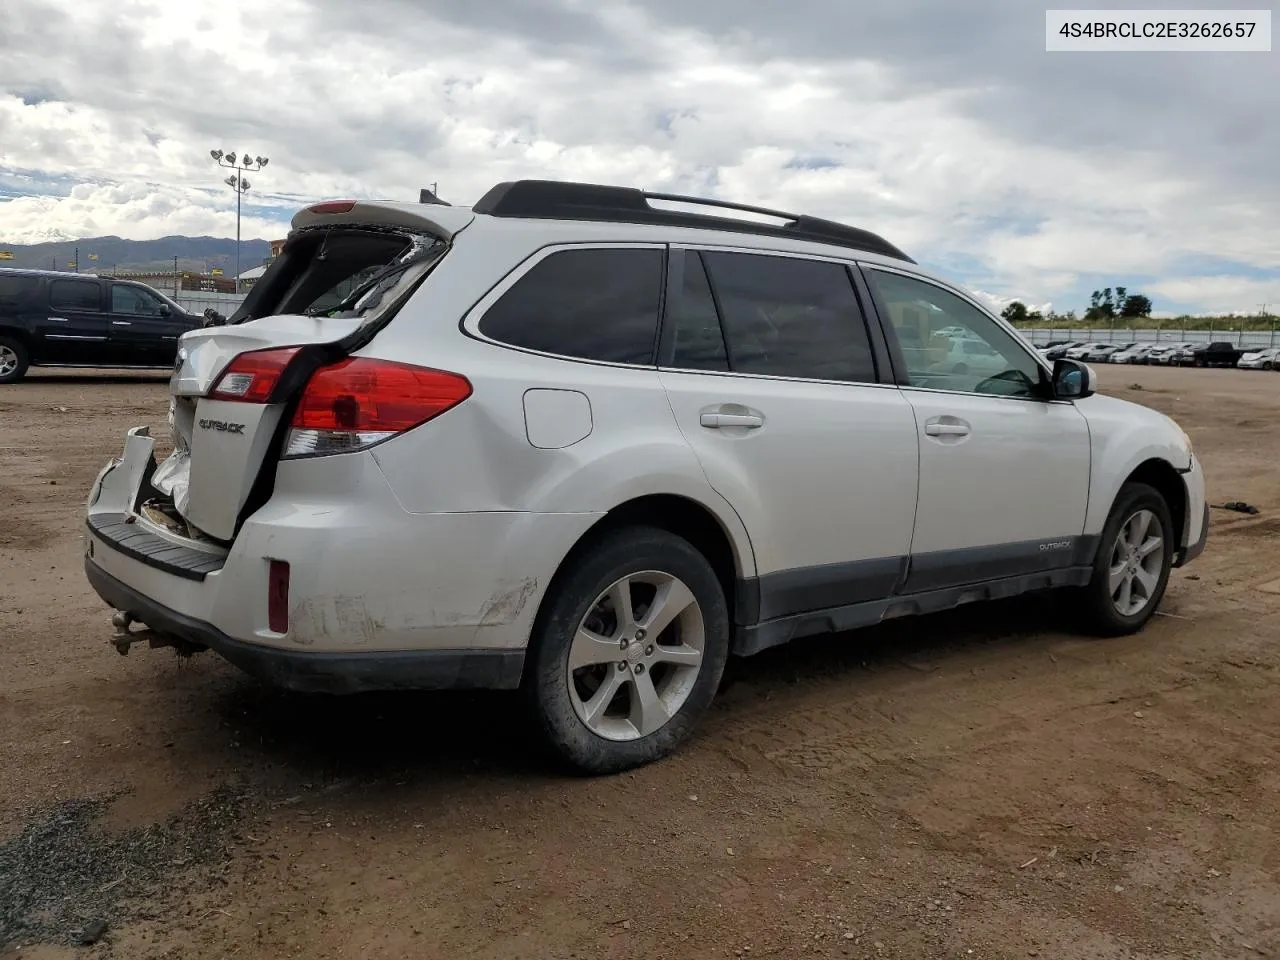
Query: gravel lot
<point>976,785</point>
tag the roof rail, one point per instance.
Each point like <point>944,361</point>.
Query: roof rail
<point>563,200</point>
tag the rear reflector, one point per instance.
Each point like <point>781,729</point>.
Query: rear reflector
<point>332,206</point>
<point>251,377</point>
<point>358,402</point>
<point>278,596</point>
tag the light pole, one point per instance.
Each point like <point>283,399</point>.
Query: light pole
<point>239,184</point>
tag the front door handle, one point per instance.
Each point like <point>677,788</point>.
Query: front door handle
<point>717,420</point>
<point>59,320</point>
<point>121,323</point>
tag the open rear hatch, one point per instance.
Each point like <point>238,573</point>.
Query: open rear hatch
<point>344,272</point>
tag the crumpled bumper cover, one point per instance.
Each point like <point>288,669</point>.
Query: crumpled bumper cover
<point>322,672</point>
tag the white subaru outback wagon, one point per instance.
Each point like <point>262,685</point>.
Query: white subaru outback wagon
<point>575,441</point>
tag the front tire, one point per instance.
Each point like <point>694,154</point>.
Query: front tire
<point>628,650</point>
<point>13,360</point>
<point>1131,570</point>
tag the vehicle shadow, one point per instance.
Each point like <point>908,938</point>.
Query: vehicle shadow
<point>406,737</point>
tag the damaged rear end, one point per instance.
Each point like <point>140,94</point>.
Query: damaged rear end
<point>275,387</point>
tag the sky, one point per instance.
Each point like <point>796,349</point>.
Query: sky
<point>944,126</point>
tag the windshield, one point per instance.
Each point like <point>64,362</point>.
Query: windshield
<point>344,271</point>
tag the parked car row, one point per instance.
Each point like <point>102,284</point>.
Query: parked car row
<point>1185,353</point>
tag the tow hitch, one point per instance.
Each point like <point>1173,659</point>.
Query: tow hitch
<point>125,636</point>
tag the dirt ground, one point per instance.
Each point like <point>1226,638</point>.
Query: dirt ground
<point>974,785</point>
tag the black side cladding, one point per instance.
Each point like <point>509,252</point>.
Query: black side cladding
<point>556,200</point>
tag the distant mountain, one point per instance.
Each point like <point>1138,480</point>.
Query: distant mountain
<point>197,254</point>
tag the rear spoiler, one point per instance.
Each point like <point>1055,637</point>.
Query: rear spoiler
<point>438,219</point>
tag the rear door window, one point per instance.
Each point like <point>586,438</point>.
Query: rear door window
<point>790,317</point>
<point>695,340</point>
<point>593,304</point>
<point>75,295</point>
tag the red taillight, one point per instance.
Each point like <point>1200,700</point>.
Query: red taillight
<point>278,596</point>
<point>252,376</point>
<point>332,206</point>
<point>358,402</point>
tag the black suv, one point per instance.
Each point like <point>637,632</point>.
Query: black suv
<point>1220,353</point>
<point>79,320</point>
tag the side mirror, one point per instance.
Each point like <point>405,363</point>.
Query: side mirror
<point>1073,380</point>
<point>165,311</point>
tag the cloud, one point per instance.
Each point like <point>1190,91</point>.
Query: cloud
<point>945,127</point>
<point>998,302</point>
<point>1221,294</point>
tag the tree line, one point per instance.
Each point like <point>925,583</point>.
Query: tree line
<point>1105,304</point>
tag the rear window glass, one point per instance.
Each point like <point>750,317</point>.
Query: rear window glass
<point>596,304</point>
<point>74,295</point>
<point>342,271</point>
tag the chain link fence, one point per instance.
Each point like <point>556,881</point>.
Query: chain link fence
<point>199,301</point>
<point>1241,339</point>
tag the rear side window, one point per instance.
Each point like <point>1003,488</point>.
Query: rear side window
<point>17,290</point>
<point>787,317</point>
<point>596,304</point>
<point>74,295</point>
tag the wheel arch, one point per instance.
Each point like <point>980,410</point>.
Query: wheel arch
<point>1160,474</point>
<point>22,336</point>
<point>729,555</point>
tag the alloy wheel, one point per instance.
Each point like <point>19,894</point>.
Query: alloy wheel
<point>1137,561</point>
<point>636,655</point>
<point>8,360</point>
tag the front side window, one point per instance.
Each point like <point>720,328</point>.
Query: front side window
<point>949,344</point>
<point>593,304</point>
<point>133,300</point>
<point>74,295</point>
<point>789,317</point>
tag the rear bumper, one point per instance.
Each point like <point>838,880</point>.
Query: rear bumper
<point>321,672</point>
<point>378,597</point>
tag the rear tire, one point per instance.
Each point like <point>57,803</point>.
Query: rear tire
<point>1131,570</point>
<point>611,689</point>
<point>13,360</point>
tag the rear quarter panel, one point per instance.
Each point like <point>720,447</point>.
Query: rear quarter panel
<point>479,457</point>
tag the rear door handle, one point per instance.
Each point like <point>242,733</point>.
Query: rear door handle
<point>59,320</point>
<point>717,420</point>
<point>121,323</point>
